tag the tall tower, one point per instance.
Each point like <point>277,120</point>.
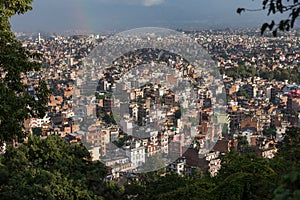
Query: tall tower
<point>39,38</point>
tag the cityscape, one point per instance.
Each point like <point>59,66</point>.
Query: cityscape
<point>149,99</point>
<point>261,104</point>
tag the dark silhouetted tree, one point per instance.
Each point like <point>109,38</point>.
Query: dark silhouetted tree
<point>289,8</point>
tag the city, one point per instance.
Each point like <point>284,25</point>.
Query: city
<point>261,104</point>
<point>149,99</point>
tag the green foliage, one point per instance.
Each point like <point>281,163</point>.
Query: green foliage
<point>242,176</point>
<point>54,169</point>
<point>37,131</point>
<point>286,74</point>
<point>16,102</point>
<point>241,72</point>
<point>270,132</point>
<point>178,114</point>
<point>289,187</point>
<point>155,186</point>
<point>242,143</point>
<point>243,93</point>
<point>49,169</point>
<point>119,143</point>
<point>289,149</point>
<point>278,74</point>
<point>108,118</point>
<point>288,165</point>
<point>110,190</point>
<point>10,8</point>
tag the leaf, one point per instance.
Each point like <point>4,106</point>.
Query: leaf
<point>279,6</point>
<point>240,10</point>
<point>265,3</point>
<point>295,14</point>
<point>271,25</point>
<point>272,9</point>
<point>263,28</point>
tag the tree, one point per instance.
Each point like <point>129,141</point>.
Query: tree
<point>15,62</point>
<point>244,176</point>
<point>289,7</point>
<point>108,118</point>
<point>155,186</point>
<point>178,114</point>
<point>270,132</point>
<point>243,144</point>
<point>288,166</point>
<point>289,148</point>
<point>242,92</point>
<point>50,169</point>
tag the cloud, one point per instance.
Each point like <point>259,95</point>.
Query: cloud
<point>153,2</point>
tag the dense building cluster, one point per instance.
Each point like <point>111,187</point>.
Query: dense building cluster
<point>260,76</point>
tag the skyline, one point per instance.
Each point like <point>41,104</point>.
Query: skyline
<point>119,15</point>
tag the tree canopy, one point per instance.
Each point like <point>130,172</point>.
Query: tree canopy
<point>17,103</point>
<point>243,175</point>
<point>53,169</point>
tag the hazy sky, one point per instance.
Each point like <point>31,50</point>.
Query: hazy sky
<point>108,15</point>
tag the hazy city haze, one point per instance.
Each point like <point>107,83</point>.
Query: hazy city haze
<point>110,15</point>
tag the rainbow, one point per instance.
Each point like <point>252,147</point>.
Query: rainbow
<point>81,15</point>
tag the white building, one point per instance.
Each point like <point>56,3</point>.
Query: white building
<point>248,133</point>
<point>214,162</point>
<point>178,166</point>
<point>38,122</point>
<point>280,131</point>
<point>136,153</point>
<point>95,153</point>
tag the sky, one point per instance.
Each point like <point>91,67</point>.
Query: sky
<point>119,15</point>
